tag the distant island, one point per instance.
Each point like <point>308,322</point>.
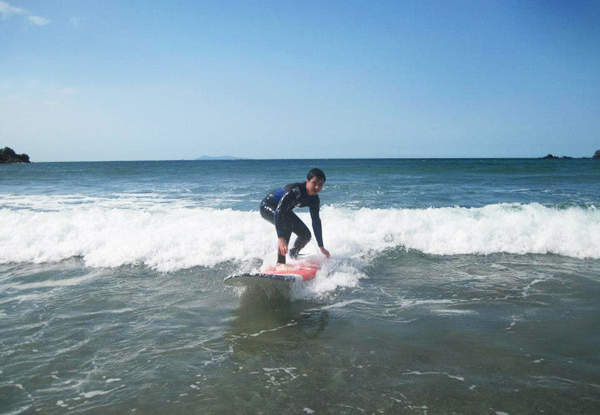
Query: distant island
<point>218,158</point>
<point>8,155</point>
<point>551,156</point>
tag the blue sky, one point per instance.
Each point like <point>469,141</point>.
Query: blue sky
<point>164,80</point>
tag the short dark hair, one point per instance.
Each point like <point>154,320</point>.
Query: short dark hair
<point>318,173</point>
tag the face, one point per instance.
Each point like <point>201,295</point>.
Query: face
<point>314,186</point>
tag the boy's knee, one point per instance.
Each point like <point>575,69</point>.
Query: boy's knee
<point>305,238</point>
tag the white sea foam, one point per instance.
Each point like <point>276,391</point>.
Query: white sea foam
<point>511,228</point>
<point>172,237</point>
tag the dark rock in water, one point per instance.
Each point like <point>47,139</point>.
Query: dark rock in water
<point>8,155</point>
<point>551,156</point>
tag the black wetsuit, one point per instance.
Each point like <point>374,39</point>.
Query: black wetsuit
<point>277,207</point>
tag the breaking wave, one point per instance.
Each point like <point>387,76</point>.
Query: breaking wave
<point>169,237</point>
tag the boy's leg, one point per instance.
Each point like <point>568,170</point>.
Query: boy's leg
<point>292,224</point>
<point>268,214</point>
<point>304,235</point>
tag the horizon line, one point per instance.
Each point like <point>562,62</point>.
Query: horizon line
<point>233,159</point>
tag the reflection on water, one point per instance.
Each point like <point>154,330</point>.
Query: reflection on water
<point>268,320</point>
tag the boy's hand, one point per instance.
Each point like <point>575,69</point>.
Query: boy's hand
<point>325,252</point>
<point>283,246</point>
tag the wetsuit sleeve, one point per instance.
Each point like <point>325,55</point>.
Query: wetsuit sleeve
<point>316,221</point>
<point>286,203</point>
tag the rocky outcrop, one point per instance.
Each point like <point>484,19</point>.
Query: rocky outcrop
<point>8,155</point>
<point>551,156</point>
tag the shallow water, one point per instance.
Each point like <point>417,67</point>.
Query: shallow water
<point>417,334</point>
<point>112,300</point>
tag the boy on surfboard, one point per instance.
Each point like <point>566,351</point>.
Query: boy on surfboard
<point>277,208</point>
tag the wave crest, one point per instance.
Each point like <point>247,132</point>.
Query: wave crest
<point>168,239</point>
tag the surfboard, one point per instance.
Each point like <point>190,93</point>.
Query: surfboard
<point>294,273</point>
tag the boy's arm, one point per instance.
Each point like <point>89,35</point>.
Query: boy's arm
<point>317,227</point>
<point>316,222</point>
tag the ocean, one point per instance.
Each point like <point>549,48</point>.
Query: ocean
<point>454,287</point>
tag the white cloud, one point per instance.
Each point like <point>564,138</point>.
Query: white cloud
<point>39,21</point>
<point>6,10</point>
<point>76,21</point>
